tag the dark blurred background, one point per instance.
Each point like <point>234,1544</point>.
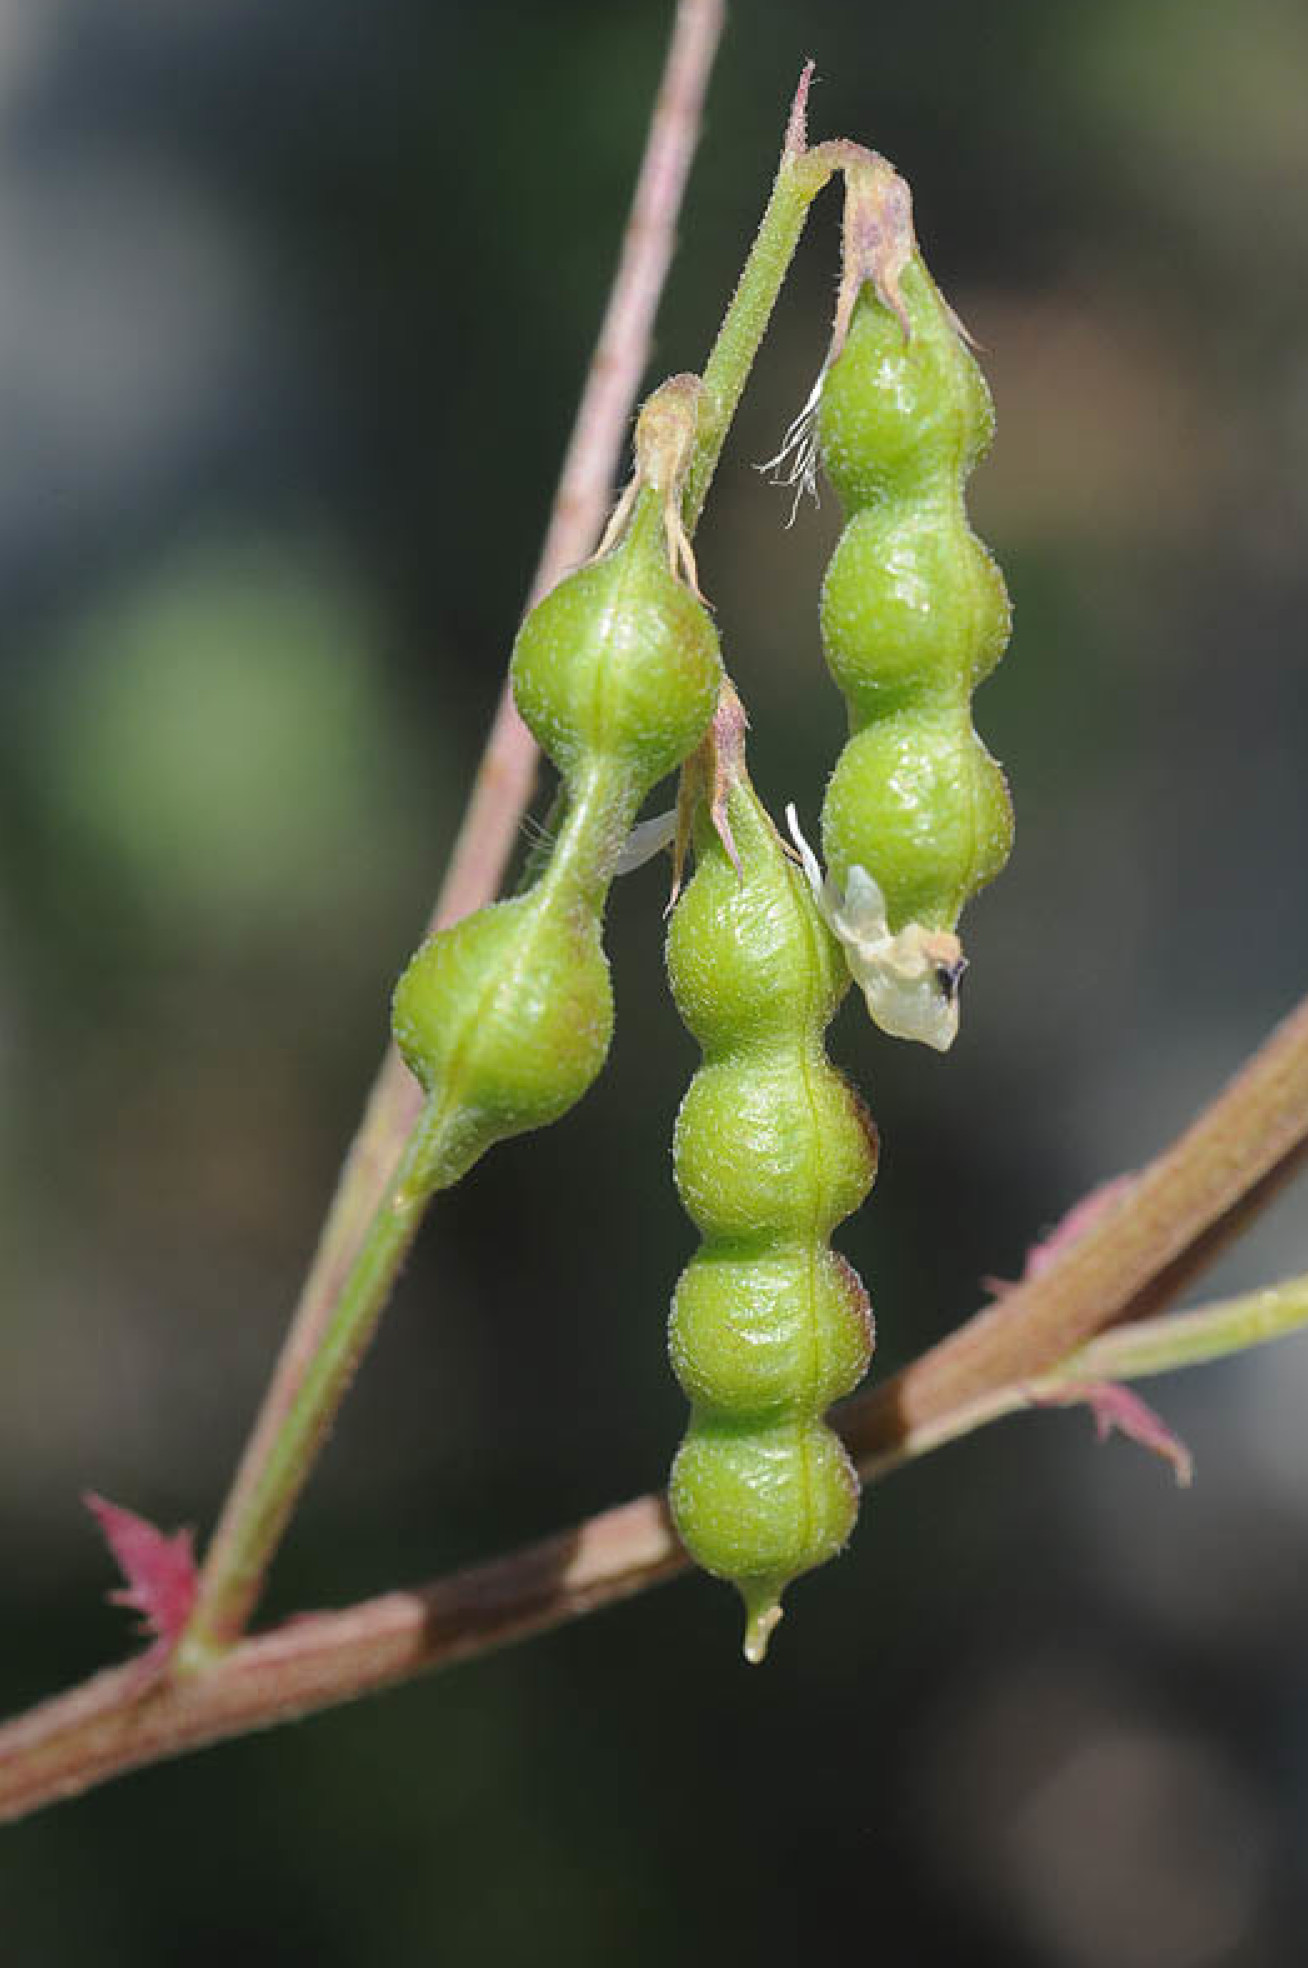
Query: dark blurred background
<point>295,302</point>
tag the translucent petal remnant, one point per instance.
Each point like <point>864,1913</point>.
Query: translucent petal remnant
<point>909,979</point>
<point>646,839</point>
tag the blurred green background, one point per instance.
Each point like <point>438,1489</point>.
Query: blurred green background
<point>296,304</point>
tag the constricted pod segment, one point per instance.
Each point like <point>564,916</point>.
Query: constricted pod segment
<point>772,1150</point>
<point>915,615</point>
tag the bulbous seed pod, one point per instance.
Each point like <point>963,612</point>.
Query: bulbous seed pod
<point>772,1150</point>
<point>740,1317</point>
<point>744,1147</point>
<point>506,1017</point>
<point>760,1504</point>
<point>917,815</point>
<point>620,661</point>
<point>899,587</point>
<point>943,824</point>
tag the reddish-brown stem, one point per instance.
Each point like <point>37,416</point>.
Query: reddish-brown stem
<point>1235,1150</point>
<point>1258,1123</point>
<point>109,1725</point>
<point>230,1586</point>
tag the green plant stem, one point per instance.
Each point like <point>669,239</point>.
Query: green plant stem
<point>251,1532</point>
<point>801,175</point>
<point>230,1581</point>
<point>1250,1134</point>
<point>1192,1339</point>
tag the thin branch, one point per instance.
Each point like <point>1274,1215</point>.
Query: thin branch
<point>1193,1339</point>
<point>1130,1352</point>
<point>108,1726</point>
<point>801,175</point>
<point>233,1575</point>
<point>1224,1230</point>
<point>1252,1130</point>
<point>1257,1123</point>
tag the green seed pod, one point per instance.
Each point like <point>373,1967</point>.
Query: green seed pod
<point>914,615</point>
<point>619,661</point>
<point>772,1150</point>
<point>506,1017</point>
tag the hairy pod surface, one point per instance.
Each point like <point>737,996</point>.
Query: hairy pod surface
<point>506,1017</point>
<point>772,1150</point>
<point>914,610</point>
<point>619,662</point>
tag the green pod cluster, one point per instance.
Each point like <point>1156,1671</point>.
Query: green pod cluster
<point>506,1017</point>
<point>772,1150</point>
<point>914,610</point>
